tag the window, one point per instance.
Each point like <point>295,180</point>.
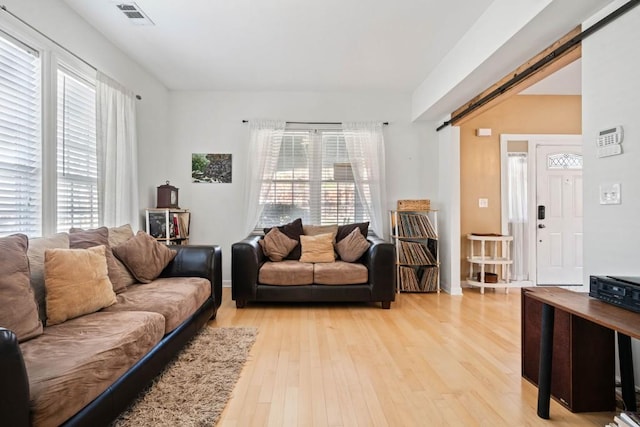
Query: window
<point>564,161</point>
<point>77,187</point>
<point>20,140</point>
<point>517,188</point>
<point>48,174</point>
<point>313,181</point>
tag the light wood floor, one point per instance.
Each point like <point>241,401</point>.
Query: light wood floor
<point>432,360</point>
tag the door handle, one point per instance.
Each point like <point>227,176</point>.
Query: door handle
<point>542,226</point>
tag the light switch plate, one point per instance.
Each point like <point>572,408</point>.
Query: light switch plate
<point>610,194</point>
<point>483,203</point>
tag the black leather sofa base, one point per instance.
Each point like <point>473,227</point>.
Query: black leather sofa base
<point>191,261</point>
<point>247,258</point>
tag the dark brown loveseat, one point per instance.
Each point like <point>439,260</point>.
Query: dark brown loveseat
<point>154,332</point>
<point>370,279</point>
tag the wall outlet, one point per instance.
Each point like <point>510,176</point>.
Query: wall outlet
<point>610,194</point>
<point>483,203</point>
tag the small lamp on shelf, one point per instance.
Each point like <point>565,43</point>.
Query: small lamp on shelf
<point>167,196</point>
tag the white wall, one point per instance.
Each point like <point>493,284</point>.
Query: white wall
<point>449,208</point>
<point>55,19</point>
<point>610,97</point>
<point>211,122</point>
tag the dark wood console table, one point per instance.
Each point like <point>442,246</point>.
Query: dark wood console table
<point>624,322</point>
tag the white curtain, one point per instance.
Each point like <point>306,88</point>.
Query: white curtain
<point>117,153</point>
<point>518,222</point>
<point>264,149</point>
<point>365,146</point>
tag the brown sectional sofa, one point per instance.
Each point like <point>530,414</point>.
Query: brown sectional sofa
<point>369,279</point>
<point>87,370</point>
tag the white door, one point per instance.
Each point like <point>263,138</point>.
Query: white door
<point>559,215</point>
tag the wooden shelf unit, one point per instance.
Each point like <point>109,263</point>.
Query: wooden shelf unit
<point>169,226</point>
<point>495,254</point>
<point>415,235</point>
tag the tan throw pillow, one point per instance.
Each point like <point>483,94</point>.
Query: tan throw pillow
<point>276,245</point>
<point>84,239</point>
<point>77,283</point>
<point>117,236</point>
<point>37,247</point>
<point>352,247</point>
<point>314,230</point>
<point>18,310</point>
<point>144,256</point>
<point>317,248</point>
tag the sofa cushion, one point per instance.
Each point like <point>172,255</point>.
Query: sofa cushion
<point>292,230</point>
<point>84,239</point>
<point>76,282</point>
<point>352,247</point>
<point>18,309</point>
<point>345,230</point>
<point>73,362</point>
<point>37,246</point>
<point>144,256</point>
<point>286,273</point>
<point>176,298</point>
<point>276,245</point>
<point>117,236</point>
<point>340,273</point>
<point>317,248</point>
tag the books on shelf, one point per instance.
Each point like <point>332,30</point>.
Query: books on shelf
<point>181,225</point>
<point>408,279</point>
<point>415,225</point>
<point>414,234</point>
<point>429,280</point>
<point>171,226</point>
<point>418,279</point>
<point>415,253</point>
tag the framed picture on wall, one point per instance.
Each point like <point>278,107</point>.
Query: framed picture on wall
<point>211,168</point>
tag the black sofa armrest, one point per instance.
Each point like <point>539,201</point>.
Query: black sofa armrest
<point>198,261</point>
<point>246,260</point>
<point>14,387</point>
<point>380,260</point>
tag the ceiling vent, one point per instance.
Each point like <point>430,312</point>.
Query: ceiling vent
<point>135,15</point>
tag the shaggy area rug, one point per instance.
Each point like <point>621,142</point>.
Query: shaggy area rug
<point>194,389</point>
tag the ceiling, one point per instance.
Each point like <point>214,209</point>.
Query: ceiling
<point>291,45</point>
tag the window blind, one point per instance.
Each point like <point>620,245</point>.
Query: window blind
<point>313,181</point>
<point>76,153</point>
<point>20,140</point>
